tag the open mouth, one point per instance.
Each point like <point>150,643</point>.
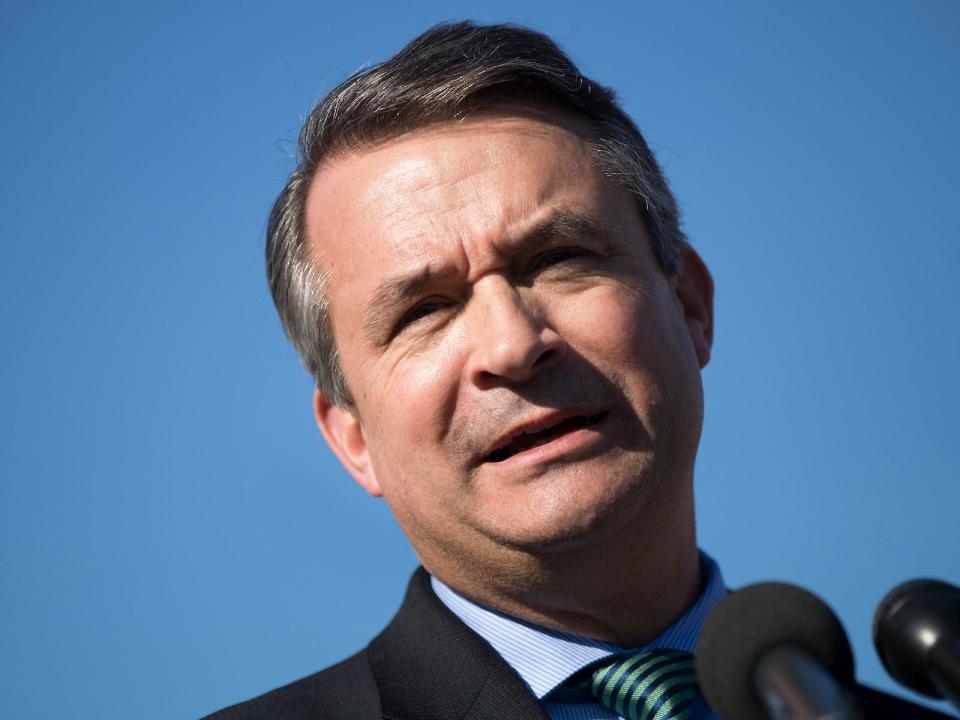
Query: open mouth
<point>526,440</point>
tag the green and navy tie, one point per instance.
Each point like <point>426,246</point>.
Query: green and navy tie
<point>652,685</point>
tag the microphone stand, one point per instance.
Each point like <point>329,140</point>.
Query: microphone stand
<point>793,686</point>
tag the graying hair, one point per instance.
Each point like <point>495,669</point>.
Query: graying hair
<point>441,76</point>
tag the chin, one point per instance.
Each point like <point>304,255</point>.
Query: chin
<point>565,520</point>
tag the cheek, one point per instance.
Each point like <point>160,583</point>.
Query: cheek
<point>409,402</point>
<point>637,340</point>
<point>408,442</point>
<point>613,326</point>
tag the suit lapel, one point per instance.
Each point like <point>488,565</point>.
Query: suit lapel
<point>428,665</point>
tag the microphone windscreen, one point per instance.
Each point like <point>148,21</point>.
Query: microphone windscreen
<point>909,621</point>
<point>750,622</point>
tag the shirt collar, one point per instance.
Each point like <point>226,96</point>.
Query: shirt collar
<point>545,658</point>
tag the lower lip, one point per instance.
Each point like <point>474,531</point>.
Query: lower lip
<point>572,443</point>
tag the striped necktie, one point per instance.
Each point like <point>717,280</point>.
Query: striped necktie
<point>652,685</point>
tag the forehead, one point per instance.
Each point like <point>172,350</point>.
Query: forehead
<point>448,194</point>
<point>446,162</point>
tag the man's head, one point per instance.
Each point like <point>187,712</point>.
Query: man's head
<point>482,266</point>
<point>443,76</point>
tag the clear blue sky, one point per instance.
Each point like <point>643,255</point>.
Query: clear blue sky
<point>175,536</point>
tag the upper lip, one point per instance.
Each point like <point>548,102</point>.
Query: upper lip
<point>536,424</point>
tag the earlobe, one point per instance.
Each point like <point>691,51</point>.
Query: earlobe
<point>343,431</point>
<point>694,288</point>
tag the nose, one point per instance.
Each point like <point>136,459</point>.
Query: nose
<point>510,337</point>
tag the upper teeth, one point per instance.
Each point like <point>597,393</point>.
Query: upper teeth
<point>531,431</point>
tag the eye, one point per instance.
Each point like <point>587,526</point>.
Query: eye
<point>420,311</point>
<point>556,257</point>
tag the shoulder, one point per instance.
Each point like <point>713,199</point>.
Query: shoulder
<point>345,690</point>
<point>879,705</point>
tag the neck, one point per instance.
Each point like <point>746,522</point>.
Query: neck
<point>625,591</point>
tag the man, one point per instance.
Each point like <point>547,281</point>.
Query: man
<point>482,266</point>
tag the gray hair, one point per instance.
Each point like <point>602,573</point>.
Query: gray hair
<point>441,76</point>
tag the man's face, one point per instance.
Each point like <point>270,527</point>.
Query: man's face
<point>525,375</point>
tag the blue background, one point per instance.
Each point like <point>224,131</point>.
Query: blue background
<point>176,537</point>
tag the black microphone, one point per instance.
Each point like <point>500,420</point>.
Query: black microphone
<point>773,651</point>
<point>916,631</point>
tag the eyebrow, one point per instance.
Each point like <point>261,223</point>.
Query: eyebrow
<point>394,293</point>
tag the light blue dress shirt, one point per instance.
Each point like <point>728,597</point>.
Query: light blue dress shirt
<point>544,659</point>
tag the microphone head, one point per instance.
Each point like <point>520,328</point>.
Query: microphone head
<point>909,621</point>
<point>750,622</point>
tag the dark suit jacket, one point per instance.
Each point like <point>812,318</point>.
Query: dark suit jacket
<point>428,665</point>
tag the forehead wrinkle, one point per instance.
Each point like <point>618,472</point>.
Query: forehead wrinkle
<point>393,293</point>
<point>560,225</point>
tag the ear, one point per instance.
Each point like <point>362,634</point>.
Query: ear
<point>694,289</point>
<point>343,431</point>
